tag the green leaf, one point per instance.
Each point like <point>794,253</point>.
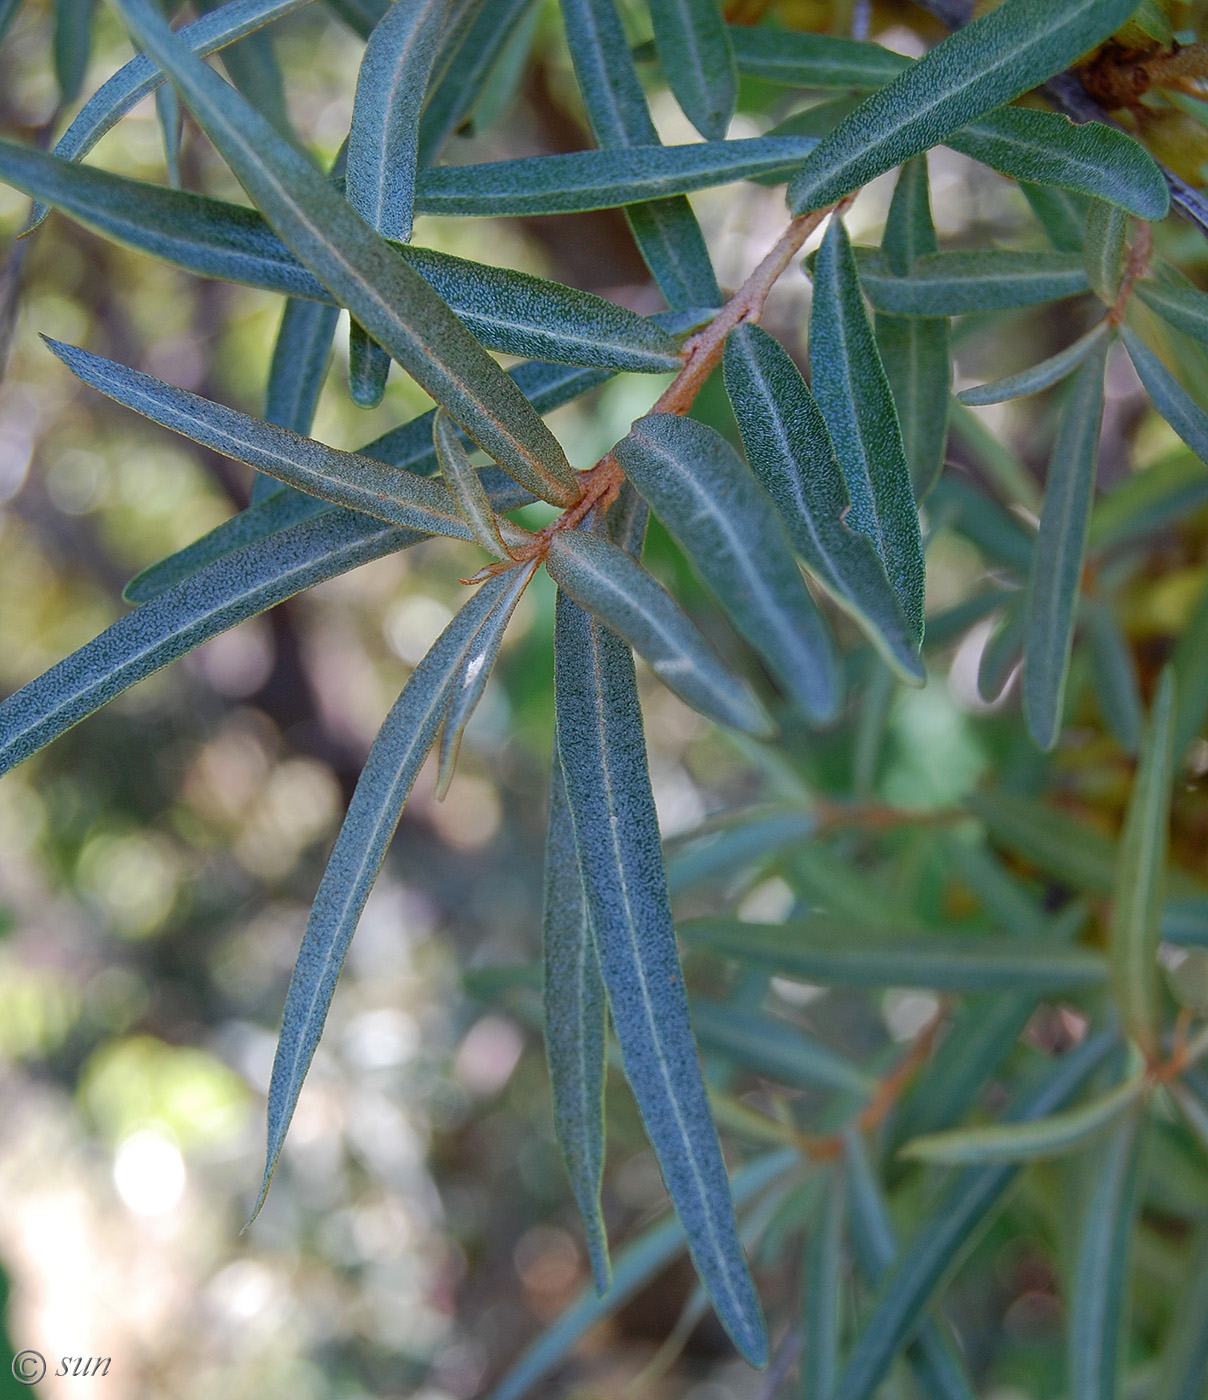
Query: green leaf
<point>1061,212</point>
<point>1003,651</point>
<point>72,45</point>
<point>465,486</point>
<point>609,583</point>
<point>1149,500</point>
<point>1169,397</point>
<point>693,46</point>
<point>1057,560</point>
<point>368,368</point>
<point>8,13</point>
<point>1190,666</point>
<point>167,110</point>
<point>987,63</point>
<point>1140,877</point>
<point>1037,377</point>
<point>1184,307</point>
<point>836,953</point>
<point>823,1288</point>
<point>1009,477</point>
<point>576,1025</point>
<point>812,60</point>
<point>740,841</point>
<point>974,280</point>
<point>1049,149</point>
<point>734,539</point>
<point>791,454</point>
<point>1184,1360</point>
<point>1053,1136</point>
<point>299,366</point>
<point>857,403</point>
<point>377,804</point>
<point>394,304</point>
<point>770,1047</point>
<point>1103,250</point>
<point>1098,1326</point>
<point>603,755</point>
<point>1114,673</point>
<point>972,512</point>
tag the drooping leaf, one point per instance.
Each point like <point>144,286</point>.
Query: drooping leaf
<point>857,404</point>
<point>735,541</point>
<point>603,755</point>
<point>1169,397</point>
<point>72,45</point>
<point>694,50</point>
<point>1186,308</point>
<point>1114,670</point>
<point>368,368</point>
<point>767,1046</point>
<point>813,60</point>
<point>299,364</point>
<point>1103,249</point>
<point>987,63</point>
<point>465,486</point>
<point>1060,549</point>
<point>823,1290</point>
<point>964,282</point>
<point>576,1025</point>
<point>1038,377</point>
<point>790,451</point>
<point>608,582</point>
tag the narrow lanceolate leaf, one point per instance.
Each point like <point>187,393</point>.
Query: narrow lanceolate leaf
<point>568,184</point>
<point>823,1289</point>
<point>377,804</point>
<point>857,404</point>
<point>1114,671</point>
<point>1099,1293</point>
<point>1060,549</point>
<point>693,46</point>
<point>1140,877</point>
<point>1103,250</point>
<point>1168,396</point>
<point>72,45</point>
<point>576,1025</point>
<point>465,486</point>
<point>1038,377</point>
<point>603,754</point>
<point>813,60</point>
<point>961,283</point>
<point>1062,214</point>
<point>735,541</point>
<point>987,63</point>
<point>771,1047</point>
<point>469,54</point>
<point>383,143</point>
<point>608,582</point>
<point>1022,1142</point>
<point>1184,306</point>
<point>790,451</point>
<point>836,953</point>
<point>1184,1364</point>
<point>344,478</point>
<point>299,364</point>
<point>394,304</point>
<point>1190,665</point>
<point>368,368</point>
<point>909,229</point>
<point>1049,149</point>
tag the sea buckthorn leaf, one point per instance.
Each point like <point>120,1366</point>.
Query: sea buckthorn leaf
<point>1057,560</point>
<point>394,304</point>
<point>857,403</point>
<point>1190,666</point>
<point>1049,149</point>
<point>771,1047</point>
<point>603,754</point>
<point>251,64</point>
<point>72,46</point>
<point>605,580</point>
<point>790,451</point>
<point>368,368</point>
<point>8,13</point>
<point>634,1266</point>
<point>169,115</point>
<point>569,184</point>
<point>837,953</point>
<point>576,1025</point>
<point>299,365</point>
<point>909,230</point>
<point>694,50</point>
<point>1038,377</point>
<point>385,783</point>
<point>360,15</point>
<point>1184,1361</point>
<point>1114,673</point>
<point>465,486</point>
<point>1099,1289</point>
<point>1003,651</point>
<point>1150,500</point>
<point>910,1284</point>
<point>1006,474</point>
<point>975,514</point>
<point>733,537</point>
<point>1054,1136</point>
<point>1139,885</point>
<point>813,60</point>
<point>1168,396</point>
<point>1103,248</point>
<point>969,281</point>
<point>739,841</point>
<point>1184,307</point>
<point>988,63</point>
<point>1062,214</point>
<point>822,1324</point>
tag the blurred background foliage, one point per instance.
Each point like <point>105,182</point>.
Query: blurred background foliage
<point>156,864</point>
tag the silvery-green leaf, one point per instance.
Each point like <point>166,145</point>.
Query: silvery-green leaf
<point>299,364</point>
<point>790,451</point>
<point>1038,377</point>
<point>1184,1361</point>
<point>465,486</point>
<point>812,60</point>
<point>1103,248</point>
<point>909,229</point>
<point>693,46</point>
<point>823,1288</point>
<point>368,368</point>
<point>1114,672</point>
<point>989,62</point>
<point>251,64</point>
<point>731,533</point>
<point>857,403</point>
<point>1168,396</point>
<point>1062,214</point>
<point>1006,474</point>
<point>974,513</point>
<point>603,754</point>
<point>970,281</point>
<point>768,1046</point>
<point>740,841</point>
<point>72,45</point>
<point>1060,550</point>
<point>576,1025</point>
<point>1003,651</point>
<point>1183,307</point>
<point>168,111</point>
<point>604,579</point>
<point>1148,501</point>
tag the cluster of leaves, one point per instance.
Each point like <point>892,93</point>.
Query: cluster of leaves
<point>834,476</point>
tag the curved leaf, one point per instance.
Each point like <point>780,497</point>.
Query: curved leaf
<point>1184,307</point>
<point>1103,248</point>
<point>1038,377</point>
<point>1168,396</point>
<point>812,60</point>
<point>693,46</point>
<point>962,283</point>
<point>299,364</point>
<point>774,1048</point>
<point>1114,673</point>
<point>465,486</point>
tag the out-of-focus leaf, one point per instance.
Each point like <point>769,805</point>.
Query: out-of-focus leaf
<point>167,109</point>
<point>72,45</point>
<point>465,486</point>
<point>360,15</point>
<point>1004,469</point>
<point>1169,397</point>
<point>790,451</point>
<point>1022,1142</point>
<point>694,50</point>
<point>987,63</point>
<point>1150,500</point>
<point>1190,666</point>
<point>607,581</point>
<point>603,754</point>
<point>1103,249</point>
<point>813,60</point>
<point>1038,377</point>
<point>1117,688</point>
<point>973,280</point>
<point>766,1046</point>
<point>1097,1329</point>
<point>823,1289</point>
<point>394,304</point>
<point>739,842</point>
<point>1061,212</point>
<point>1140,877</point>
<point>1060,550</point>
<point>1184,1358</point>
<point>836,953</point>
<point>975,514</point>
<point>8,13</point>
<point>1003,651</point>
<point>1184,307</point>
<point>734,538</point>
<point>857,404</point>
